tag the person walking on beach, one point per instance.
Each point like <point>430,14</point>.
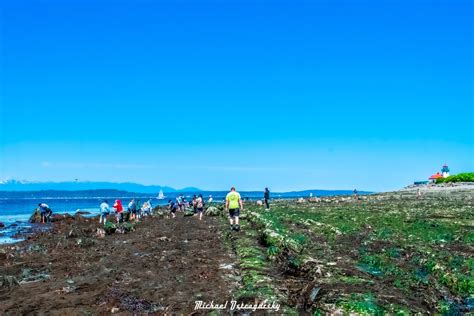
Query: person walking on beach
<point>210,200</point>
<point>266,198</point>
<point>104,211</point>
<point>200,206</point>
<point>233,204</point>
<point>356,195</point>
<point>45,211</point>
<point>118,211</point>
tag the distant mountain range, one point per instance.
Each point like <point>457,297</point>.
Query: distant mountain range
<point>14,185</point>
<point>23,189</point>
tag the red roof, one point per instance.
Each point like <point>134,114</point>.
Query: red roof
<point>436,176</point>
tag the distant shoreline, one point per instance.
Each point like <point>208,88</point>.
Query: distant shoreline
<point>112,193</point>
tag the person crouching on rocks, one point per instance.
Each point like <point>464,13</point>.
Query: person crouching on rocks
<point>118,211</point>
<point>200,206</point>
<point>146,209</point>
<point>45,211</point>
<point>232,204</point>
<point>172,208</point>
<point>104,211</point>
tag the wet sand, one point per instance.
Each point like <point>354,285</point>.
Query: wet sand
<point>161,267</point>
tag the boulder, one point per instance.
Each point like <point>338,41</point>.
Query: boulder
<point>314,200</point>
<point>212,211</point>
<point>188,212</point>
<point>8,281</point>
<point>301,201</point>
<point>57,217</point>
<point>82,213</point>
<point>110,228</point>
<point>100,233</point>
<point>259,203</point>
<point>2,225</point>
<point>35,217</point>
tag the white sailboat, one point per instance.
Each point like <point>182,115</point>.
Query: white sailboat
<point>161,196</point>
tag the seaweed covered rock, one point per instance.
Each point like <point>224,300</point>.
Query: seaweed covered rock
<point>8,281</point>
<point>128,227</point>
<point>35,217</point>
<point>212,211</point>
<point>60,217</point>
<point>188,212</point>
<point>301,201</point>
<point>110,228</point>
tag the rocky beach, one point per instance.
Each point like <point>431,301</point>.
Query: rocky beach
<point>393,252</point>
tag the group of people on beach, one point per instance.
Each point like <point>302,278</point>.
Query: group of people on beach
<point>197,203</point>
<point>136,210</point>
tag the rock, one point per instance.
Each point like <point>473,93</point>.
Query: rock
<point>314,293</point>
<point>188,212</point>
<point>301,201</point>
<point>100,233</point>
<point>74,233</point>
<point>35,217</point>
<point>8,281</point>
<point>82,213</point>
<point>314,200</point>
<point>2,225</point>
<point>115,310</point>
<point>212,211</point>
<point>85,242</point>
<point>120,230</point>
<point>57,217</point>
<point>259,203</point>
<point>110,228</point>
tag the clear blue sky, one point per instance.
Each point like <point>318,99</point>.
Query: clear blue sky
<point>287,94</point>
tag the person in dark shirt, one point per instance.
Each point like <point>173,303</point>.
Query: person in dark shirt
<point>45,211</point>
<point>172,208</point>
<point>266,198</point>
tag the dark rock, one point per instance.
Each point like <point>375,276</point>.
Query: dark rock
<point>8,281</point>
<point>2,225</point>
<point>57,217</point>
<point>35,217</point>
<point>82,213</point>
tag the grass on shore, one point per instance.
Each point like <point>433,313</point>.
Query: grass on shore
<point>384,254</point>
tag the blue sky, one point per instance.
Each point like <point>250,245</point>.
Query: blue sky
<point>287,94</point>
